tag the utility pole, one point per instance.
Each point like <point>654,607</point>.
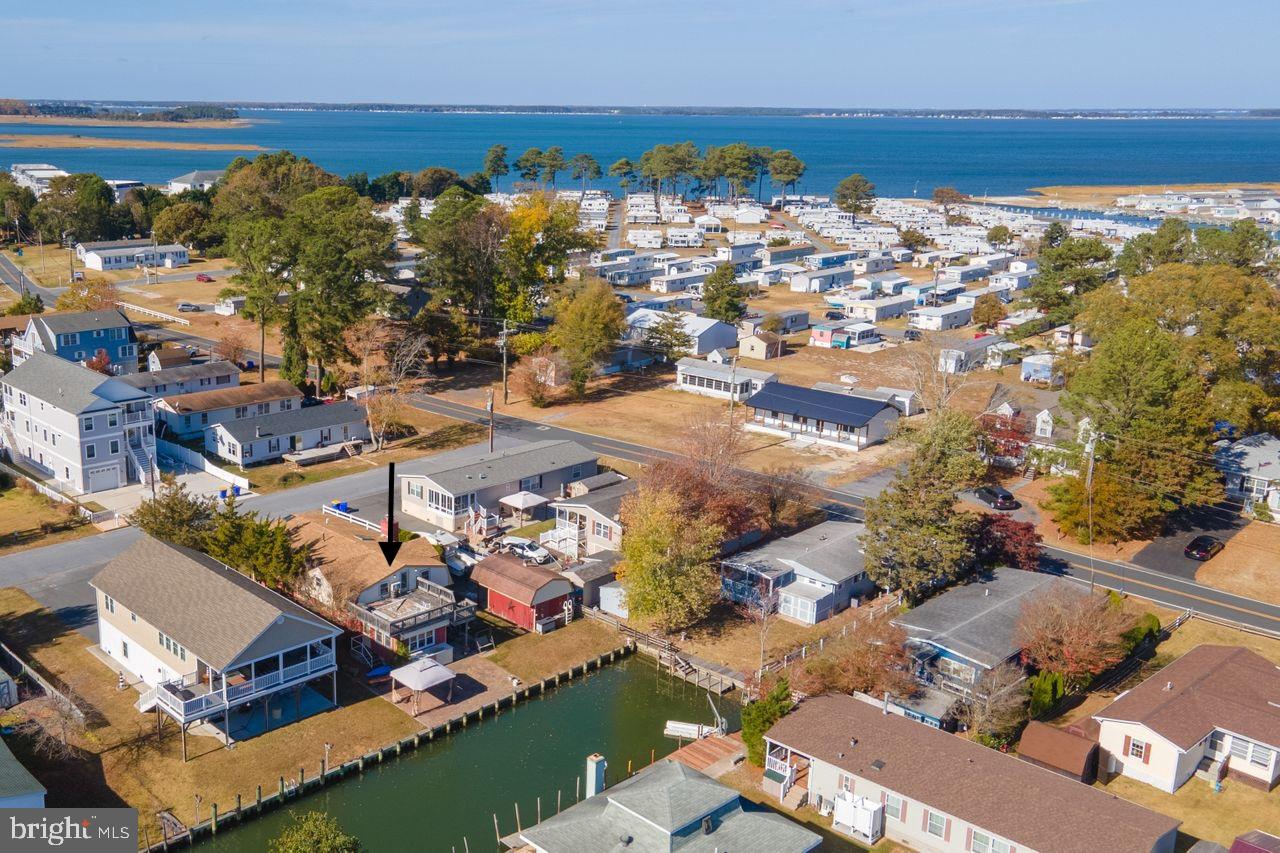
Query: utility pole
<point>1088,488</point>
<point>502,342</point>
<point>733,386</point>
<point>489,407</point>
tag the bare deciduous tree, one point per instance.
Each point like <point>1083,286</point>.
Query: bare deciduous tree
<point>931,377</point>
<point>714,443</point>
<point>780,494</point>
<point>56,726</point>
<point>999,702</point>
<point>230,347</point>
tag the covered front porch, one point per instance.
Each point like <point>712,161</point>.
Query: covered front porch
<point>786,774</point>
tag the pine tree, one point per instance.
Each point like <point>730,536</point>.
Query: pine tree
<point>723,296</point>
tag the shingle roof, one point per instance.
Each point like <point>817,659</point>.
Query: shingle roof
<point>606,500</point>
<point>15,779</point>
<point>183,373</point>
<point>830,549</point>
<point>67,323</point>
<point>236,395</point>
<point>507,466</point>
<point>211,610</point>
<point>295,421</point>
<point>171,357</point>
<point>1055,747</point>
<point>712,370</point>
<point>348,556</point>
<point>1024,804</point>
<point>510,576</point>
<point>649,807</point>
<point>198,176</point>
<point>1226,687</point>
<point>843,409</point>
<point>977,620</point>
<point>69,386</point>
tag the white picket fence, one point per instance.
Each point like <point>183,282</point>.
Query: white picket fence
<point>151,312</point>
<point>197,461</point>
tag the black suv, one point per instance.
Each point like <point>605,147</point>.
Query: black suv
<point>996,497</point>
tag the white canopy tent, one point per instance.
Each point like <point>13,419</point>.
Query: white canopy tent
<point>523,502</point>
<point>419,675</point>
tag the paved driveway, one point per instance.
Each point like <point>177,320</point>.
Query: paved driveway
<point>1164,554</point>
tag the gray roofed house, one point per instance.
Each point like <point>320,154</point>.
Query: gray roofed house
<point>665,807</point>
<point>186,378</point>
<point>1251,467</point>
<point>813,574</point>
<point>200,179</point>
<point>294,431</point>
<point>18,788</point>
<point>68,386</point>
<point>79,336</point>
<point>453,494</point>
<point>204,637</point>
<point>969,629</point>
<point>725,381</point>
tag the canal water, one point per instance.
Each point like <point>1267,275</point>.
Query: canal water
<point>448,790</point>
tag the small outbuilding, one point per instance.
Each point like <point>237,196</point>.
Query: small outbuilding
<point>1059,750</point>
<point>523,594</point>
<point>762,346</point>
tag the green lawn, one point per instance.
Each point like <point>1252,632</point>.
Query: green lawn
<point>532,657</point>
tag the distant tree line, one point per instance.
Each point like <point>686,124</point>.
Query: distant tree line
<point>191,112</point>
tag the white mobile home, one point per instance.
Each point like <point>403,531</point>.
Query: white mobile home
<point>820,280</point>
<point>940,318</point>
<point>884,308</point>
<point>965,274</point>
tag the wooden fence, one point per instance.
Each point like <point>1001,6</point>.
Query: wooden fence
<point>12,661</point>
<point>879,607</point>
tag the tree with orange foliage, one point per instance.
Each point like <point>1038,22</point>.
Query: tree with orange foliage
<point>88,294</point>
<point>870,658</point>
<point>100,362</point>
<point>1074,633</point>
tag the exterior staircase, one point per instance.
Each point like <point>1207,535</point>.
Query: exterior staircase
<point>146,468</point>
<point>147,700</point>
<point>798,793</point>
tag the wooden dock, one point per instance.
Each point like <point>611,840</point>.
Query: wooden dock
<point>714,756</point>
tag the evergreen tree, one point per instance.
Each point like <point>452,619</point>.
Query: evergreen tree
<point>723,296</point>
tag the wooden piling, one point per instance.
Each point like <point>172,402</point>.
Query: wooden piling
<point>213,820</point>
<point>496,833</point>
<point>519,828</point>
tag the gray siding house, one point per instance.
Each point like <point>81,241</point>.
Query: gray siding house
<point>262,439</point>
<point>186,379</point>
<point>188,415</point>
<point>457,494</point>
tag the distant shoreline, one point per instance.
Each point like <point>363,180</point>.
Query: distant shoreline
<point>65,140</point>
<point>1078,113</point>
<point>1105,195</point>
<point>73,121</point>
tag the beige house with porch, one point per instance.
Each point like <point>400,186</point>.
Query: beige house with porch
<point>210,645</point>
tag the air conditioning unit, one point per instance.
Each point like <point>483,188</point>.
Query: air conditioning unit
<point>547,625</point>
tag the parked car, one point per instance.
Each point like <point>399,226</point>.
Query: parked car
<point>525,549</point>
<point>912,335</point>
<point>1203,548</point>
<point>834,315</point>
<point>185,307</point>
<point>204,277</point>
<point>996,497</point>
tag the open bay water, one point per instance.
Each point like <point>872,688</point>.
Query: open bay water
<point>430,799</point>
<point>900,155</point>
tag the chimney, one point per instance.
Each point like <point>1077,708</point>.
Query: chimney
<point>596,765</point>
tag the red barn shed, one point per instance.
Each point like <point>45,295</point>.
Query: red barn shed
<point>518,592</point>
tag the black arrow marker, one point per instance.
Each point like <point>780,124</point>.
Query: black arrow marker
<point>392,546</point>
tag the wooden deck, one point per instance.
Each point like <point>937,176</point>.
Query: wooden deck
<point>714,756</point>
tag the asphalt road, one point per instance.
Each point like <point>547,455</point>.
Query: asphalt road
<point>1165,553</point>
<point>1164,584</point>
<point>13,278</point>
<point>56,574</point>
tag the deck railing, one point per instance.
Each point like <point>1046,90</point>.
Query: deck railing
<point>213,700</point>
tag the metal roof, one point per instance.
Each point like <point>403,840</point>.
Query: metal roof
<point>506,466</point>
<point>843,409</point>
<point>712,370</point>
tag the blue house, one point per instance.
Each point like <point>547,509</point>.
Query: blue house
<point>80,336</point>
<point>1041,368</point>
<point>957,636</point>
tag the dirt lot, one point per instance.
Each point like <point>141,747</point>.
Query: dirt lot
<point>119,761</point>
<point>30,520</point>
<point>1249,565</point>
<point>1106,195</point>
<point>166,296</point>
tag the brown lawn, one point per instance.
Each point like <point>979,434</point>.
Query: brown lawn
<point>51,266</point>
<point>533,657</point>
<point>29,519</point>
<point>1204,814</point>
<point>1249,565</point>
<point>120,761</point>
<point>206,324</point>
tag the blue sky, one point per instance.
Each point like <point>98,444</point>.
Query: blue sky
<point>879,53</point>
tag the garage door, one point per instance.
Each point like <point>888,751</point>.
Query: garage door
<point>101,479</point>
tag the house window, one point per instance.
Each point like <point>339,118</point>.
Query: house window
<point>286,405</point>
<point>415,490</point>
<point>937,825</point>
<point>1217,742</point>
<point>264,408</point>
<point>956,670</point>
<point>115,447</point>
<point>242,412</point>
<point>87,423</point>
<point>983,843</point>
<point>124,648</point>
<point>113,419</point>
<point>602,530</point>
<point>109,603</point>
<point>528,484</point>
<point>90,451</point>
<point>248,451</point>
<point>1138,749</point>
<point>893,806</point>
<point>204,418</point>
<point>172,646</point>
<point>1261,756</point>
<point>844,782</point>
<point>224,380</point>
<point>576,473</point>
